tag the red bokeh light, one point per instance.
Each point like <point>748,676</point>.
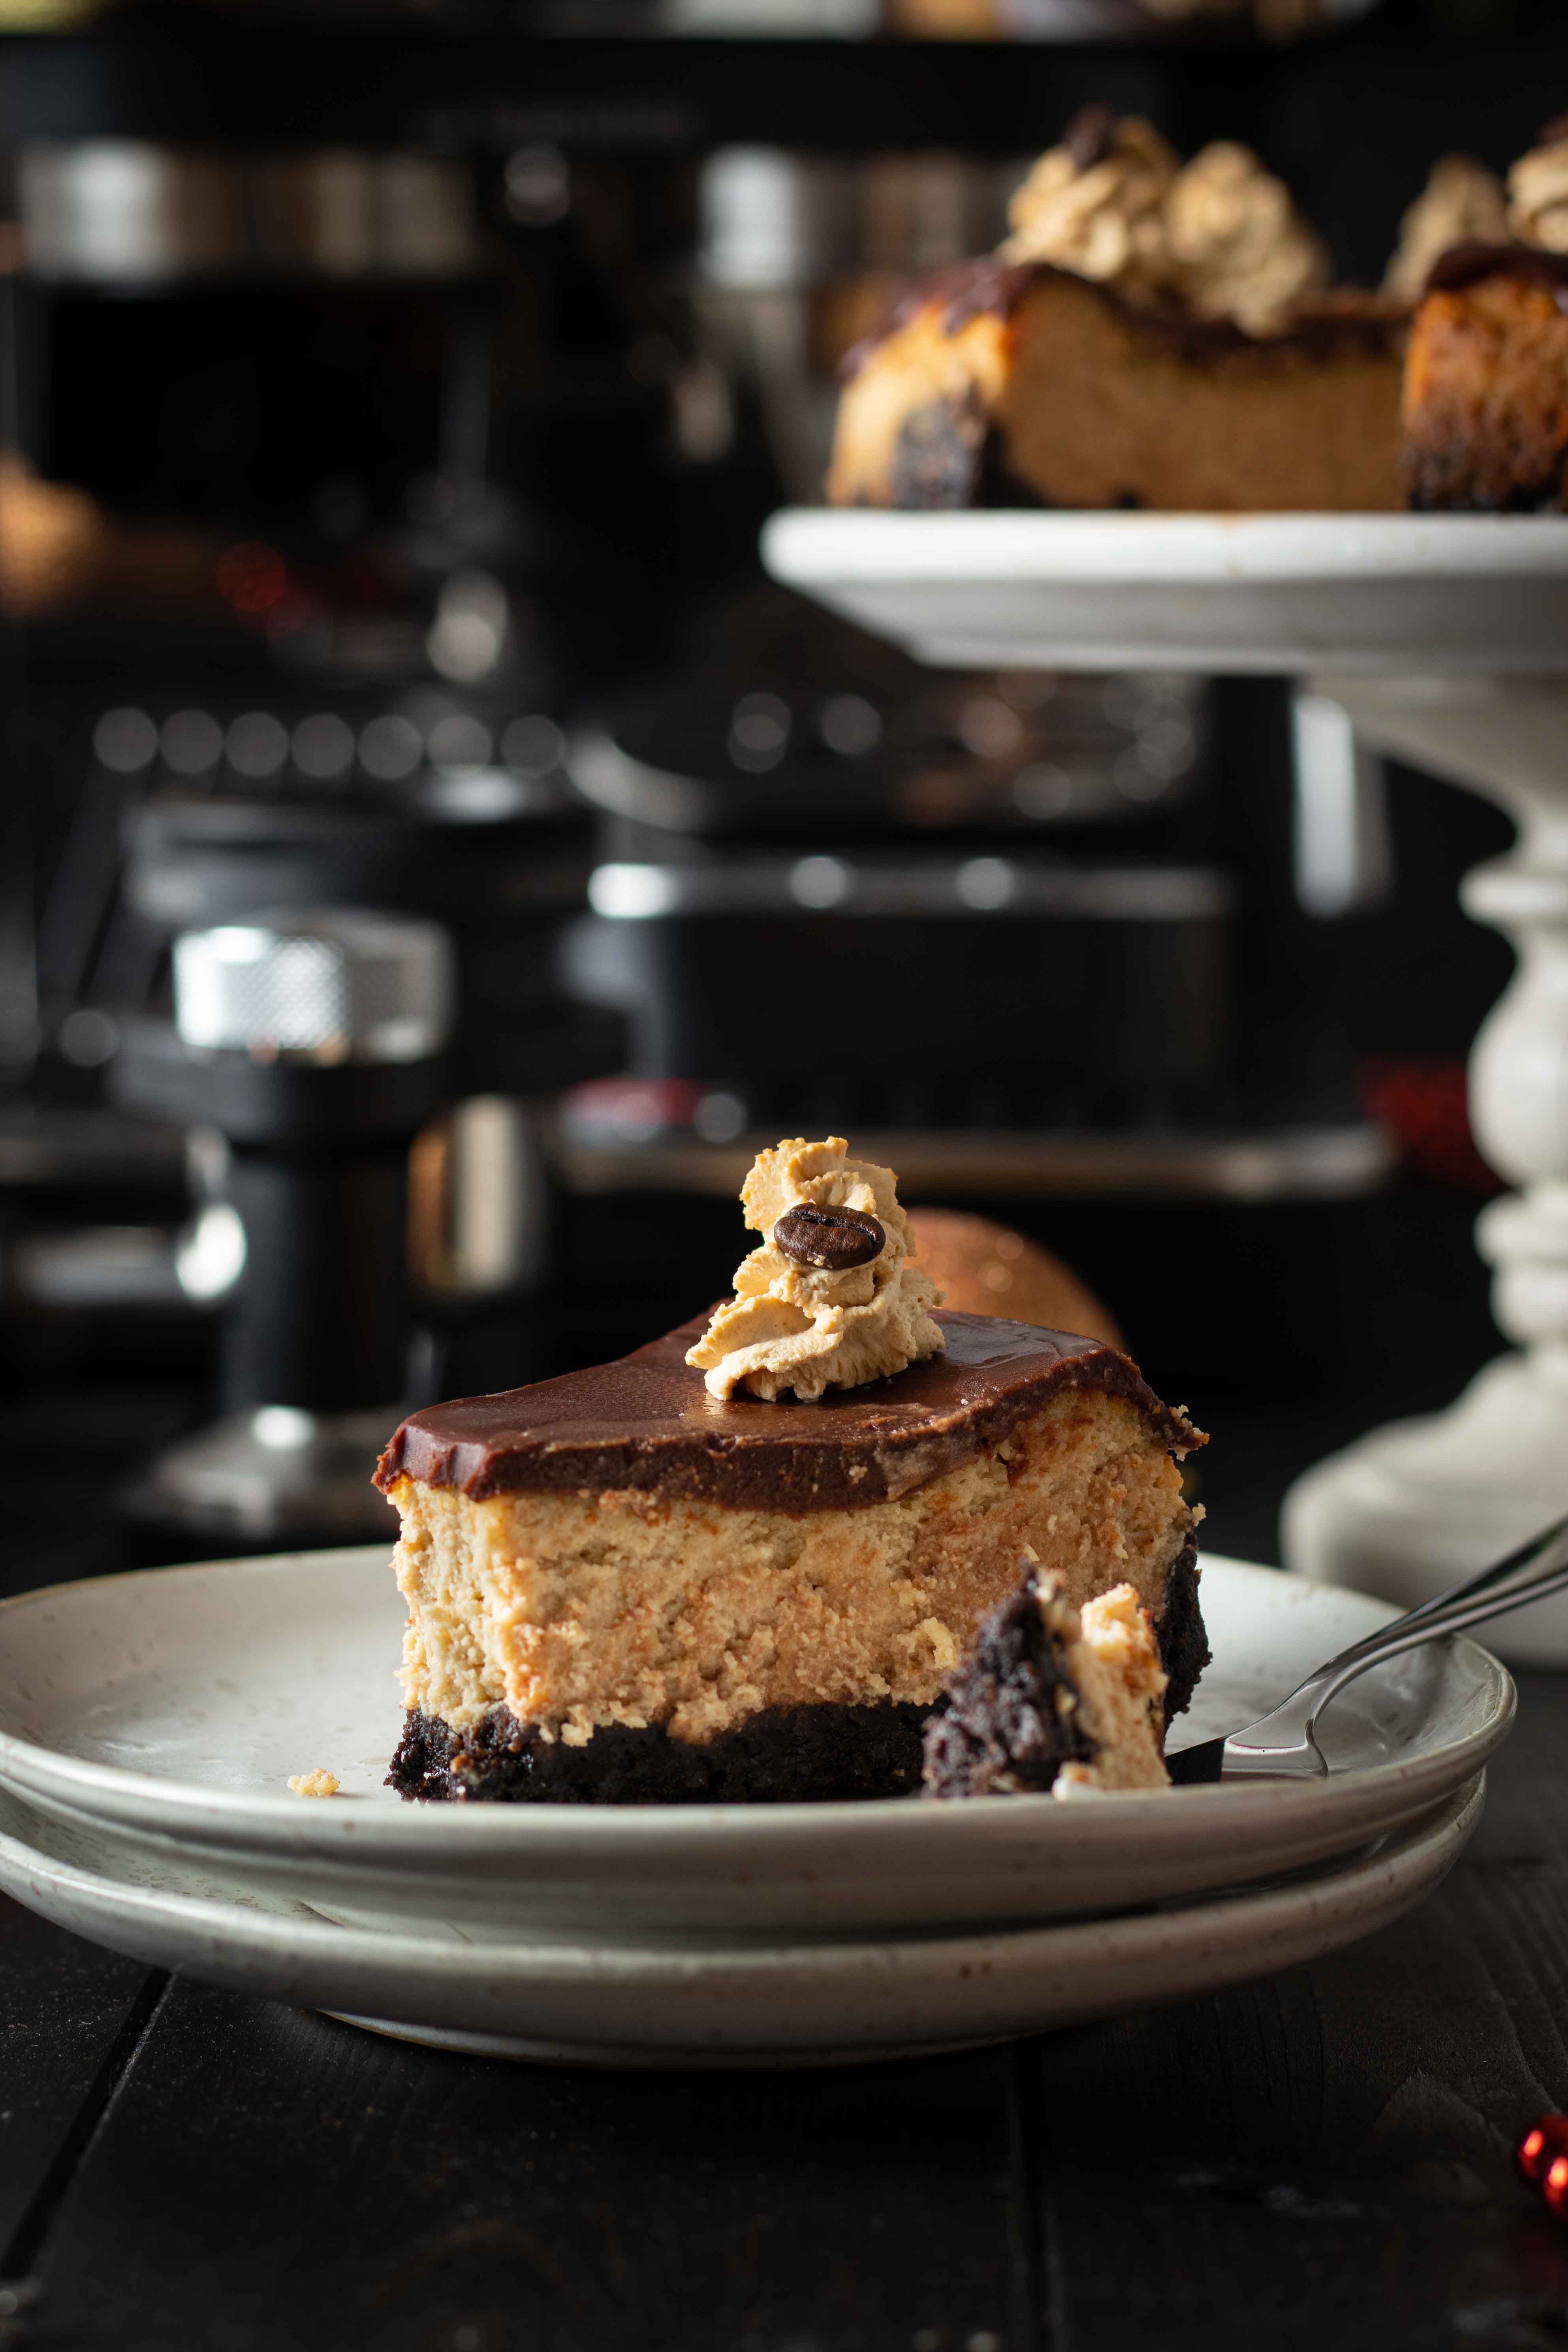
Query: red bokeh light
<point>1424,1100</point>
<point>251,576</point>
<point>1544,2141</point>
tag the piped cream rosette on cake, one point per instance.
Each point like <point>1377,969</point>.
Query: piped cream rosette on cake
<point>1218,237</point>
<point>830,1299</point>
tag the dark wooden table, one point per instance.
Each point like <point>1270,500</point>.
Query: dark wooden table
<point>1317,2164</point>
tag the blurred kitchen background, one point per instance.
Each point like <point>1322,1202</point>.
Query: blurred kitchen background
<point>433,856</point>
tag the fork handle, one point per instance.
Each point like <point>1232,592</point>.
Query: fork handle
<point>1284,1744</point>
<point>1533,1552</point>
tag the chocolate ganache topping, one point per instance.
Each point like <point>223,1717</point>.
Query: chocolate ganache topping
<point>648,1422</point>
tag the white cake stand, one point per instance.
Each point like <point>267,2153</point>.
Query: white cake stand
<point>1446,639</point>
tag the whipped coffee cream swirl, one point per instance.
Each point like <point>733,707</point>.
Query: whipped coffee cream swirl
<point>1095,204</point>
<point>829,1300</point>
<point>1537,192</point>
<point>1218,237</point>
<point>1462,203</point>
<point>1238,248</point>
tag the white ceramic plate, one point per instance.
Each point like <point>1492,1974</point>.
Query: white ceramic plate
<point>171,1706</point>
<point>781,2004</point>
<point>1223,592</point>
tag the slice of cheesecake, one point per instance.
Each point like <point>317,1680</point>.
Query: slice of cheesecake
<point>1150,334</point>
<point>1485,414</point>
<point>623,1588</point>
<point>1485,411</point>
<point>1053,1700</point>
<point>1030,385</point>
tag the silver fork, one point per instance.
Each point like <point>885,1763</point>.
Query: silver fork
<point>1283,1744</point>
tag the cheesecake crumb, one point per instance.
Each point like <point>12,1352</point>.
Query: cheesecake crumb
<point>1053,1697</point>
<point>1114,1658</point>
<point>314,1784</point>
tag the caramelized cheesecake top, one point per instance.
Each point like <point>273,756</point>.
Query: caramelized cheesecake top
<point>648,1422</point>
<point>1343,317</point>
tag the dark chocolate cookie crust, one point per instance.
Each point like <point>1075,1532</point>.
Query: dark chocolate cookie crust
<point>785,1755</point>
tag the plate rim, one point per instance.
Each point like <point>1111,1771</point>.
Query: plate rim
<point>375,1830</point>
<point>1107,548</point>
<point>1450,1821</point>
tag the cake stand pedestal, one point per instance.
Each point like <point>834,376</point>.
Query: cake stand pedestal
<point>1444,637</point>
<point>1408,1508</point>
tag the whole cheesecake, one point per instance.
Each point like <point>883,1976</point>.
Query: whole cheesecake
<point>623,1588</point>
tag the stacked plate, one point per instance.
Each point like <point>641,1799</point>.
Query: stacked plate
<point>149,1725</point>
